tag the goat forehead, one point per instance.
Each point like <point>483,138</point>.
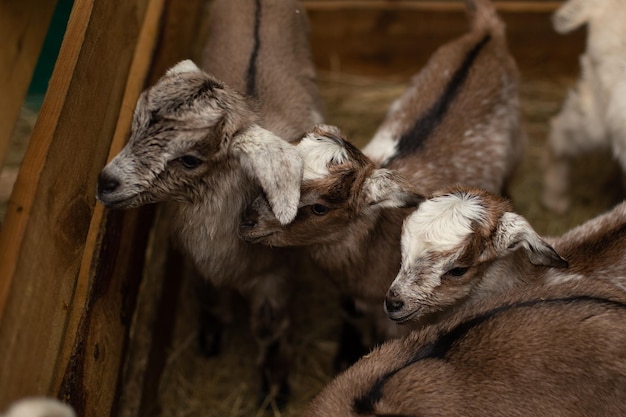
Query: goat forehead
<point>440,224</point>
<point>317,153</point>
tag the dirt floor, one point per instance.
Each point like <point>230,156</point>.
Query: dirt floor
<point>226,385</point>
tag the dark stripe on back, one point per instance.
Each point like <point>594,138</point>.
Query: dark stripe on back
<point>439,348</point>
<point>251,76</point>
<point>423,127</point>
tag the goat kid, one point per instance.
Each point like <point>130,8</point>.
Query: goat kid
<point>453,124</point>
<point>209,142</point>
<point>593,115</point>
<point>465,245</point>
<point>546,351</point>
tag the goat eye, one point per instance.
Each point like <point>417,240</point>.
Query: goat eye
<point>457,272</point>
<point>190,162</point>
<point>319,209</point>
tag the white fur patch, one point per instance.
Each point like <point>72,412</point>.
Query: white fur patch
<point>383,144</point>
<point>40,407</point>
<point>318,152</point>
<point>442,223</point>
<point>558,277</point>
<point>277,166</point>
<point>183,66</point>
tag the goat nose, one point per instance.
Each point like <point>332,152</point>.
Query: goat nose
<point>107,184</point>
<point>247,223</point>
<point>249,219</point>
<point>393,303</point>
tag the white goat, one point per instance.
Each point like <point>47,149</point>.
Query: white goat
<point>551,351</point>
<point>39,407</point>
<point>594,112</point>
<point>209,149</point>
<point>458,122</point>
<point>465,245</point>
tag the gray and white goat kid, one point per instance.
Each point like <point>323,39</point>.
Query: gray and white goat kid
<point>209,141</point>
<point>547,351</point>
<point>458,122</point>
<point>593,115</point>
<point>465,245</point>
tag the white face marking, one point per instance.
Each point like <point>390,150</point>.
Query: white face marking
<point>318,152</point>
<point>441,223</point>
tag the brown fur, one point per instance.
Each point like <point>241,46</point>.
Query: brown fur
<point>208,143</point>
<point>556,351</point>
<point>477,141</point>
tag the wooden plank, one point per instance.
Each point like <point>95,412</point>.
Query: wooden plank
<point>43,241</point>
<point>114,254</point>
<point>428,5</point>
<point>397,38</point>
<point>23,28</point>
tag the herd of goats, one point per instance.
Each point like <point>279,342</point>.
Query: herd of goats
<point>452,304</point>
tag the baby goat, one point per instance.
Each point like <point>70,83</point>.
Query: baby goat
<point>209,142</point>
<point>551,351</point>
<point>594,112</point>
<point>465,245</point>
<point>458,122</point>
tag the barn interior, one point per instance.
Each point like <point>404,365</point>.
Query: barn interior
<point>122,268</point>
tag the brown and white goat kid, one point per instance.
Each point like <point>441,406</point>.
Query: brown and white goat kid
<point>465,245</point>
<point>209,142</point>
<point>458,122</point>
<point>549,351</point>
<point>593,115</point>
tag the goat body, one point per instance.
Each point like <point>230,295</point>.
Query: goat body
<point>593,113</point>
<point>465,245</point>
<point>208,143</point>
<point>459,121</point>
<point>553,351</point>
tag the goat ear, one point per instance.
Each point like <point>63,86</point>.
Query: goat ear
<point>276,165</point>
<point>385,188</point>
<point>183,66</point>
<point>513,232</point>
<point>573,14</point>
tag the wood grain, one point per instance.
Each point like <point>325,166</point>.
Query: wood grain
<point>62,280</point>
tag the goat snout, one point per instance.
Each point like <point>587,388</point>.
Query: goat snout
<point>249,219</point>
<point>107,184</point>
<point>247,223</point>
<point>393,302</point>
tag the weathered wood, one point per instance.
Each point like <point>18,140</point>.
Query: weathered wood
<point>61,284</point>
<point>387,38</point>
<point>23,28</point>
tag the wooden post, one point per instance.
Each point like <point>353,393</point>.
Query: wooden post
<point>65,293</point>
